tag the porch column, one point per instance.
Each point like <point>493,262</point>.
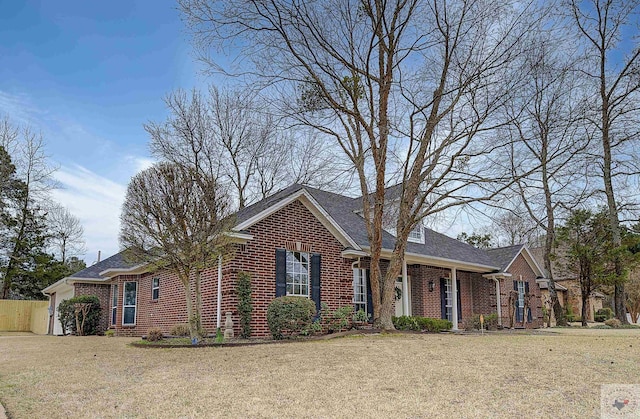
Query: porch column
<point>405,289</point>
<point>498,302</point>
<point>219,296</point>
<point>454,299</point>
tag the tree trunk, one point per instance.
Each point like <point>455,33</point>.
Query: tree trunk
<point>198,308</point>
<point>585,304</point>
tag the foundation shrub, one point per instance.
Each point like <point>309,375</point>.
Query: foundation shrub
<point>180,330</point>
<point>154,334</point>
<point>290,316</point>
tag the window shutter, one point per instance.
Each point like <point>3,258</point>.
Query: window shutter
<point>443,299</point>
<point>459,300</point>
<point>526,290</point>
<point>281,272</point>
<point>315,279</point>
<point>369,296</point>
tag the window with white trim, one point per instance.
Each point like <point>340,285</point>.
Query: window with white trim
<point>360,289</point>
<point>448,302</point>
<point>521,292</point>
<point>114,304</point>
<point>417,234</point>
<point>298,273</point>
<point>129,303</point>
<point>155,288</point>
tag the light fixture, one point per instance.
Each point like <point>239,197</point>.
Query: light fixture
<point>431,285</point>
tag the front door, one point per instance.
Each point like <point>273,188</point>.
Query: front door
<point>399,296</point>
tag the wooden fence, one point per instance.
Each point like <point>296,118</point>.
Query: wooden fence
<point>24,316</point>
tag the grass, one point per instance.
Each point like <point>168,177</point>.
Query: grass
<point>495,375</point>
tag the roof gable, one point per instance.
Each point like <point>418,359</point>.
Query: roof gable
<point>505,256</point>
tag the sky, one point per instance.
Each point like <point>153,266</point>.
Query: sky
<point>88,75</point>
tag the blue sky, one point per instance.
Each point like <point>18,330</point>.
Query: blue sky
<point>88,74</point>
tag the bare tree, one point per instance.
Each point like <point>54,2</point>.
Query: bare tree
<point>65,232</point>
<point>176,218</point>
<point>612,67</point>
<point>27,150</point>
<point>545,128</point>
<point>407,89</point>
<point>230,133</point>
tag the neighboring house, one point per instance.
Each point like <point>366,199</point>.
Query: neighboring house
<point>308,242</point>
<point>567,287</point>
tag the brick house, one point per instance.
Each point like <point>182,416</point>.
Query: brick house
<point>313,243</point>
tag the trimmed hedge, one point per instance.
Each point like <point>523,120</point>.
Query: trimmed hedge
<point>66,315</point>
<point>603,314</point>
<point>418,323</point>
<point>290,316</point>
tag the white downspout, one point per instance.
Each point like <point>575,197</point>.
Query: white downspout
<point>498,299</point>
<point>454,299</point>
<point>405,289</point>
<point>219,298</point>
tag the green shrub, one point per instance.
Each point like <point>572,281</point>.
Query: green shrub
<point>490,322</point>
<point>421,323</point>
<point>600,318</point>
<point>605,312</point>
<point>361,316</point>
<point>335,320</point>
<point>180,330</point>
<point>289,316</point>
<point>245,303</point>
<point>110,333</point>
<point>154,334</point>
<point>434,325</point>
<point>67,315</point>
<point>405,323</point>
<point>614,323</point>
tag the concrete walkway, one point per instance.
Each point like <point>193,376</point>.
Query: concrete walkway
<point>3,415</point>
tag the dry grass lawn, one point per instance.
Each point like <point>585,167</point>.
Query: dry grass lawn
<point>499,375</point>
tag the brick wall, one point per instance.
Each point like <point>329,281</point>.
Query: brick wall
<point>293,223</point>
<point>521,271</point>
<point>102,291</point>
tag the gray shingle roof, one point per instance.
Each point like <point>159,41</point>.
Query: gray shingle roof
<point>503,256</point>
<point>112,262</point>
<point>343,210</point>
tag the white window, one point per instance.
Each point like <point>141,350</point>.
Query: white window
<point>417,234</point>
<point>114,304</point>
<point>129,301</point>
<point>298,273</point>
<point>360,289</point>
<point>155,288</point>
<point>448,302</point>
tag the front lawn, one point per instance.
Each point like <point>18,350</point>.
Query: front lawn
<point>442,375</point>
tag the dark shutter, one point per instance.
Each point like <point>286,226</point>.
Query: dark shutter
<point>459,301</point>
<point>443,298</point>
<point>517,308</point>
<point>526,290</point>
<point>369,297</point>
<point>315,280</point>
<point>281,272</point>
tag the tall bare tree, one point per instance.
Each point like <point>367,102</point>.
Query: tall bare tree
<point>407,88</point>
<point>176,218</point>
<point>66,234</point>
<point>545,128</point>
<point>27,150</point>
<point>613,64</point>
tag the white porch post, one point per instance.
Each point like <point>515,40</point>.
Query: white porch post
<point>498,302</point>
<point>219,297</point>
<point>454,299</point>
<point>405,289</point>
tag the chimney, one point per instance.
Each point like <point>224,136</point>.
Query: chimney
<point>98,256</point>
